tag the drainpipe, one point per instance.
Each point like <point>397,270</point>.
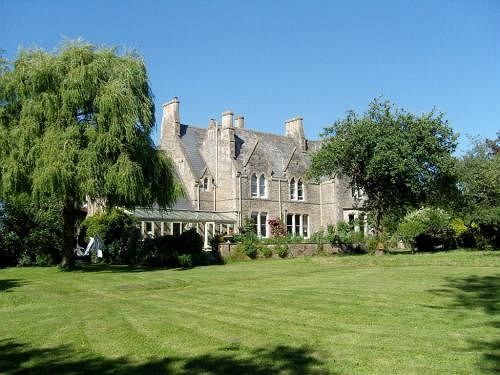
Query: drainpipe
<point>240,221</point>
<point>279,198</point>
<point>198,195</point>
<point>320,205</point>
<point>216,167</point>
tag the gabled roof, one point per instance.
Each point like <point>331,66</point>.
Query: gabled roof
<point>278,148</point>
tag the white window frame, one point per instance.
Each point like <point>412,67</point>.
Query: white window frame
<point>258,193</point>
<point>300,225</point>
<point>258,223</point>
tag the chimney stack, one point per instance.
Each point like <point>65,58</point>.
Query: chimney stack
<point>170,124</point>
<point>295,129</point>
<point>239,122</point>
<point>227,119</point>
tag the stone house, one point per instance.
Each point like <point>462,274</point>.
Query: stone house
<point>230,173</point>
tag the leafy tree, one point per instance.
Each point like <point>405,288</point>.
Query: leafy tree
<point>479,186</point>
<point>398,159</point>
<point>77,123</point>
<point>30,234</point>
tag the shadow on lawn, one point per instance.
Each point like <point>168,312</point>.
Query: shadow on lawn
<point>111,268</point>
<point>7,284</point>
<point>17,358</point>
<point>482,293</point>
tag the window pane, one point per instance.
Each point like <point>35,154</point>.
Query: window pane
<point>262,186</point>
<point>205,184</point>
<point>305,224</point>
<point>253,184</point>
<point>263,224</point>
<point>289,226</point>
<point>300,190</point>
<point>254,220</point>
<point>292,188</point>
<point>297,225</point>
<point>176,228</point>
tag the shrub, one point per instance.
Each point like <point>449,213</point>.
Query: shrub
<point>266,252</point>
<point>281,250</point>
<point>344,233</point>
<point>185,260</point>
<point>250,248</point>
<point>277,227</point>
<point>168,251</point>
<point>426,229</point>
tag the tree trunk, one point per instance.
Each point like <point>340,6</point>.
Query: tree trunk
<point>378,222</point>
<point>69,219</point>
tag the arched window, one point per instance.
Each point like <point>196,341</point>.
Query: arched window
<point>262,186</point>
<point>253,185</point>
<point>300,190</point>
<point>292,188</point>
<point>205,184</point>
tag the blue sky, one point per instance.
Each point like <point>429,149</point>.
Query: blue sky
<point>272,60</point>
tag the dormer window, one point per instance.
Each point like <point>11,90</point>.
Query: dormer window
<point>205,184</point>
<point>258,186</point>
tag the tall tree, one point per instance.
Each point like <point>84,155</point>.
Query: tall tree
<point>77,123</point>
<point>479,186</point>
<point>398,159</point>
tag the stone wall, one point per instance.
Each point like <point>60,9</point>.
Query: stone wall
<point>294,249</point>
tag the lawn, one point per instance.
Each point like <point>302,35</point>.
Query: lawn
<point>423,314</point>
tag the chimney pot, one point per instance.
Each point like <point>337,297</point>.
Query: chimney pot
<point>239,122</point>
<point>227,119</point>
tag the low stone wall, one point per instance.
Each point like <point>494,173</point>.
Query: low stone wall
<point>294,249</point>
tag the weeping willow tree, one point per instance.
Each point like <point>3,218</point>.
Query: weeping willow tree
<point>77,123</point>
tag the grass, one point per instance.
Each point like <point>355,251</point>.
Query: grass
<point>422,314</point>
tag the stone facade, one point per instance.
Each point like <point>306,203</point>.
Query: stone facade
<point>228,168</point>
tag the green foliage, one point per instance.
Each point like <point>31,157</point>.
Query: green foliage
<point>281,250</point>
<point>426,228</point>
<point>120,234</point>
<point>30,234</point>
<point>266,251</point>
<point>479,201</point>
<point>398,159</point>
<point>78,123</point>
<point>250,248</point>
<point>185,260</point>
<point>184,250</point>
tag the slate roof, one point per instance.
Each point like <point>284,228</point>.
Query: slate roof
<point>192,139</point>
<point>278,148</point>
